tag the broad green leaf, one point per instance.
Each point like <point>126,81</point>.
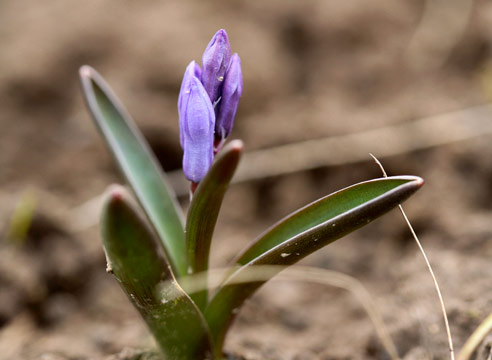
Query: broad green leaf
<point>302,233</point>
<point>320,211</point>
<point>133,257</point>
<point>204,209</point>
<point>138,165</point>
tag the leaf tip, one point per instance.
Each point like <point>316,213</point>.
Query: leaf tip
<point>116,194</point>
<point>413,181</point>
<point>86,71</point>
<point>236,145</point>
<point>417,182</point>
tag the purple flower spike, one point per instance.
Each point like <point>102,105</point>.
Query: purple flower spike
<point>231,93</point>
<point>197,122</point>
<point>192,70</point>
<point>206,94</point>
<point>215,62</point>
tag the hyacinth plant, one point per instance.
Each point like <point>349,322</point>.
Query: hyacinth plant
<point>151,248</point>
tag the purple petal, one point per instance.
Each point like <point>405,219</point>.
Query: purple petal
<point>231,93</point>
<point>193,69</point>
<point>215,62</point>
<point>197,132</point>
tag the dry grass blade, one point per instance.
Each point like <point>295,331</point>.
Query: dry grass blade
<point>434,279</point>
<point>388,141</point>
<point>352,148</point>
<point>194,283</point>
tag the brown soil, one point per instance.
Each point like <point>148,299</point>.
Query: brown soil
<point>312,69</point>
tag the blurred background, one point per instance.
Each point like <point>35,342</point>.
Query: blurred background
<point>409,80</point>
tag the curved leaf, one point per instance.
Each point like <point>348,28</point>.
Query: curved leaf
<point>133,257</point>
<point>304,232</point>
<point>138,165</point>
<point>320,211</point>
<point>204,210</point>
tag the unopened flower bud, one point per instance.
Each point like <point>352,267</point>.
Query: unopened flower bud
<point>192,70</point>
<point>229,101</point>
<point>215,62</point>
<point>197,122</point>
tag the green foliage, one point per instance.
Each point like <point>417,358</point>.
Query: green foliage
<point>138,165</point>
<point>146,278</point>
<point>304,232</point>
<point>194,325</point>
<point>204,210</point>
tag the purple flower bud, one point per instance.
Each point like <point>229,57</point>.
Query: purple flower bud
<point>215,62</point>
<point>193,69</point>
<point>231,93</point>
<point>197,122</point>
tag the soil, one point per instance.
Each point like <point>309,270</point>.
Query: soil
<point>312,69</point>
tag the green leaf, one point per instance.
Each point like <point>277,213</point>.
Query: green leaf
<point>133,257</point>
<point>204,209</point>
<point>302,233</point>
<point>138,165</point>
<point>322,210</point>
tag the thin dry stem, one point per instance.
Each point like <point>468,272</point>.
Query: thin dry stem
<point>387,141</point>
<point>436,285</point>
<point>195,283</point>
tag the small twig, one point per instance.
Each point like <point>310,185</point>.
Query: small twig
<point>436,285</point>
